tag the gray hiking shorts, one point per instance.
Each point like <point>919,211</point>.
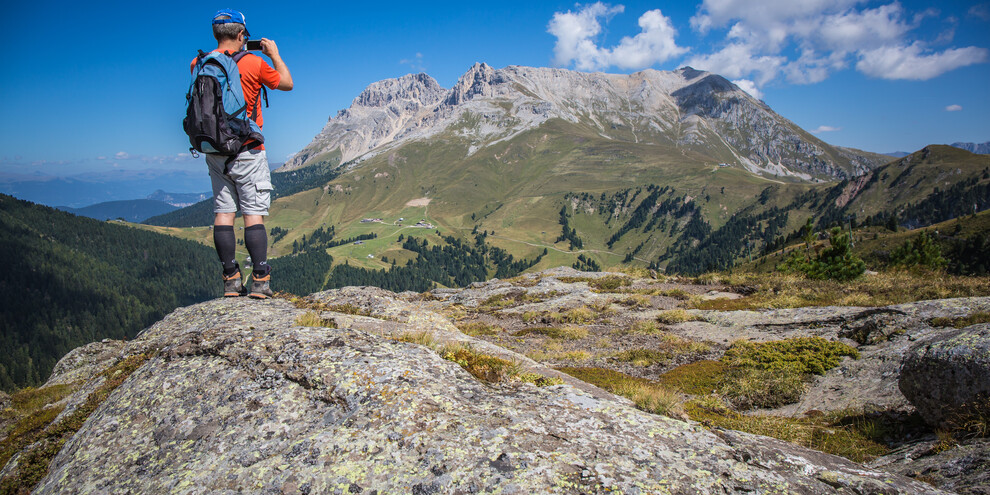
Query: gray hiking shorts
<point>248,186</point>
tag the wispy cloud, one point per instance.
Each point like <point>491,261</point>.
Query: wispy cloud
<point>953,108</point>
<point>415,63</point>
<point>826,128</point>
<point>578,33</point>
<point>981,11</point>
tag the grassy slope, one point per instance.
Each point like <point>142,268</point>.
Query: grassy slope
<point>516,189</point>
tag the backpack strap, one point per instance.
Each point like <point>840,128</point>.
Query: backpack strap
<point>237,56</point>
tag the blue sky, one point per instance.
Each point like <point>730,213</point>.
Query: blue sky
<point>100,86</point>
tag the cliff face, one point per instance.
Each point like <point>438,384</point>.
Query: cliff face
<point>693,110</point>
<point>239,397</point>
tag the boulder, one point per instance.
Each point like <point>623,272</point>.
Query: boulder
<point>239,397</point>
<point>947,377</point>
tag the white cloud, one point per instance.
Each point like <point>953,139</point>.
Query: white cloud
<point>576,34</point>
<point>805,41</point>
<point>826,128</point>
<point>912,61</point>
<point>749,87</point>
<point>121,155</point>
<point>953,108</point>
<point>737,61</point>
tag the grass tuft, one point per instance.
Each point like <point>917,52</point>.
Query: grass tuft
<point>566,332</point>
<point>313,319</point>
<point>670,347</point>
<point>479,328</point>
<point>962,322</point>
<point>675,316</point>
<point>648,396</point>
<point>781,290</point>
<point>637,301</point>
<point>482,366</point>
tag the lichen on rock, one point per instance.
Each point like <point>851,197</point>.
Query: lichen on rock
<point>240,398</point>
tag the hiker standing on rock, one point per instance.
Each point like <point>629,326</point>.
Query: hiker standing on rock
<point>228,131</point>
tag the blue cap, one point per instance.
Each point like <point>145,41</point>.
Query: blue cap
<point>231,16</point>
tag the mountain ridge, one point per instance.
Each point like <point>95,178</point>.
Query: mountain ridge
<point>688,109</point>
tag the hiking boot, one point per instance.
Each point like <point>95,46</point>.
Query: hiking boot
<point>259,287</point>
<point>233,285</point>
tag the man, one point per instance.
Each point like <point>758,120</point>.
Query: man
<point>247,183</point>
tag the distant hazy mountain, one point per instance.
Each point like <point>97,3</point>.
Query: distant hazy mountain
<point>687,111</point>
<point>978,148</point>
<point>87,189</point>
<point>180,200</point>
<point>132,210</point>
<point>898,154</point>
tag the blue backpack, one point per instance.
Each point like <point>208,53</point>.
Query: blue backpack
<point>217,120</point>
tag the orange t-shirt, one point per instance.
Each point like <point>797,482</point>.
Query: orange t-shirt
<point>254,72</point>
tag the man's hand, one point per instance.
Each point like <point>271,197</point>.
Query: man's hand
<point>268,47</point>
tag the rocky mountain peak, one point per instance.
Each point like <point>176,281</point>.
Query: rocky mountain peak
<point>477,81</point>
<point>691,109</point>
<point>417,87</point>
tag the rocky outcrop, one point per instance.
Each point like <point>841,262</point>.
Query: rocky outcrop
<point>962,468</point>
<point>241,398</point>
<point>946,377</point>
<point>693,110</point>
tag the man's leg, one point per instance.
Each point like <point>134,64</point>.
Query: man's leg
<point>225,242</point>
<point>256,241</point>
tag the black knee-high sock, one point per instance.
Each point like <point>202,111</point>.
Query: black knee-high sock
<point>256,240</point>
<point>224,241</point>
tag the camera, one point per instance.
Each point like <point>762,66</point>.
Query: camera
<point>253,45</point>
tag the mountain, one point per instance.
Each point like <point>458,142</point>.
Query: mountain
<point>131,210</point>
<point>515,169</point>
<point>82,190</point>
<point>70,280</point>
<point>689,110</point>
<point>179,200</point>
<point>979,148</point>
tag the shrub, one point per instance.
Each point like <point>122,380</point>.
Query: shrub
<point>835,262</point>
<point>922,251</point>
<point>772,374</point>
<point>813,355</point>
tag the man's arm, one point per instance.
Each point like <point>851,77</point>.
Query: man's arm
<point>268,47</point>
